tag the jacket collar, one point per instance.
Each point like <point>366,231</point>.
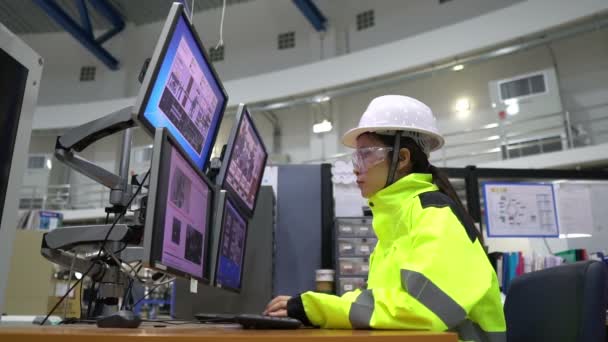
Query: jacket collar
<point>388,204</point>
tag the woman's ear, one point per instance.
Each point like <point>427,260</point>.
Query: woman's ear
<point>404,160</point>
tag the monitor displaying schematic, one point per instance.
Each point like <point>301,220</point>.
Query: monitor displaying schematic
<point>178,213</point>
<point>244,162</point>
<point>231,251</point>
<point>181,91</point>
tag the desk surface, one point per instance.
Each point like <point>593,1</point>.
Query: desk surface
<point>203,333</point>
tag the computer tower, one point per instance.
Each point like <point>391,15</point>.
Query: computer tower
<point>256,289</point>
<point>305,214</point>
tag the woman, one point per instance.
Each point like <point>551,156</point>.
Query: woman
<point>429,270</point>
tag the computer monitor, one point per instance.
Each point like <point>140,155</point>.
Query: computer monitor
<point>178,213</point>
<point>231,249</point>
<point>244,162</point>
<point>181,91</point>
<point>20,72</point>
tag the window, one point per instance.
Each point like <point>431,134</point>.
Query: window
<point>142,154</point>
<point>521,87</point>
<point>216,54</point>
<point>36,162</point>
<point>287,40</point>
<point>87,73</point>
<point>365,20</point>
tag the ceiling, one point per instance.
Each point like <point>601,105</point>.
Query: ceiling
<point>24,16</point>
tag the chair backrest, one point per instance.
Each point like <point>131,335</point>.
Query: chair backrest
<point>564,303</point>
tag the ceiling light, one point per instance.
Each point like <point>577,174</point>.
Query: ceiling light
<point>513,108</point>
<point>458,67</point>
<point>462,105</point>
<point>322,127</point>
<point>322,98</point>
<point>573,236</point>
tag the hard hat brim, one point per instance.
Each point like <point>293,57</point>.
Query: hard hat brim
<point>350,138</point>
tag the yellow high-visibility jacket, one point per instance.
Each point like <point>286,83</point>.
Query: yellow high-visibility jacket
<point>428,271</point>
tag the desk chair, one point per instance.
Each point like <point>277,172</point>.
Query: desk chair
<point>564,303</point>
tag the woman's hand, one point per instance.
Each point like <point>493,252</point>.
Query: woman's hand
<point>277,307</point>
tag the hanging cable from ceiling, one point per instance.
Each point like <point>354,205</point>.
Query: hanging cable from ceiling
<point>221,41</point>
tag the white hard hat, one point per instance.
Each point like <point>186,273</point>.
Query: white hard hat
<point>392,113</point>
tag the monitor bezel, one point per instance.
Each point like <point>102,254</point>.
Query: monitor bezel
<point>242,114</point>
<point>156,207</point>
<point>34,63</point>
<point>227,202</point>
<point>151,75</point>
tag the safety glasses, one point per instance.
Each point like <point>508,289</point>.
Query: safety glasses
<point>367,157</point>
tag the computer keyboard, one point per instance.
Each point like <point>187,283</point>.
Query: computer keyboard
<point>250,321</point>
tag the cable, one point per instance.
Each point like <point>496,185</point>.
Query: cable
<point>192,11</point>
<point>221,41</point>
<point>126,295</point>
<point>101,249</point>
<point>66,294</point>
<point>130,288</point>
<point>547,245</point>
<point>65,305</point>
<point>151,291</point>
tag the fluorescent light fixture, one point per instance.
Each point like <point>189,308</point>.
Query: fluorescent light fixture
<point>322,127</point>
<point>458,67</point>
<point>573,236</point>
<point>513,109</point>
<point>493,105</point>
<point>463,107</point>
<point>49,164</point>
<point>322,98</point>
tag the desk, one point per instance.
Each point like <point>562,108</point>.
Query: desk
<point>204,333</point>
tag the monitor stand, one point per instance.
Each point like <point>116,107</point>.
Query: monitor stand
<point>78,248</point>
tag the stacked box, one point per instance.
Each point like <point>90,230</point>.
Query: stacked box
<point>355,241</point>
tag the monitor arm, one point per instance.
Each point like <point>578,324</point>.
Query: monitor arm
<point>79,138</point>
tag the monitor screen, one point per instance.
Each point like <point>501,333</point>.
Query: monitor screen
<point>231,249</point>
<point>184,93</point>
<point>181,215</point>
<point>12,87</point>
<point>245,163</point>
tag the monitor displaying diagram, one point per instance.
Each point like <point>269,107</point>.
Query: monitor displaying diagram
<point>520,209</point>
<point>231,249</point>
<point>184,95</point>
<point>245,165</point>
<point>186,218</point>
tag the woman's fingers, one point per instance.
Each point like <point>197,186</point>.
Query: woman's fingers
<point>276,304</point>
<point>280,313</point>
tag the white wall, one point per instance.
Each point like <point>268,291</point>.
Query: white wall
<point>250,36</point>
<point>580,89</point>
<point>398,19</point>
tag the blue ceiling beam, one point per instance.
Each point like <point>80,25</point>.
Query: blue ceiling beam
<point>84,35</point>
<point>312,13</point>
<point>84,17</point>
<point>108,11</point>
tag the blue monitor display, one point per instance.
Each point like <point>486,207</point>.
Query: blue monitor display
<point>184,93</point>
<point>231,249</point>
